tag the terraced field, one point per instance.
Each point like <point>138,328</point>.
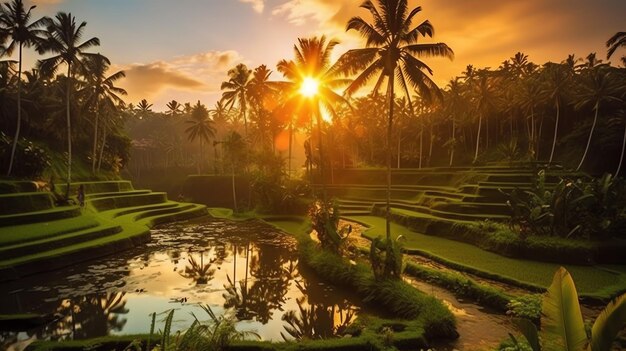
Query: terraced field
<point>37,235</point>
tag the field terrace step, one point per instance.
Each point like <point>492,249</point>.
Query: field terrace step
<point>131,236</point>
<point>58,241</point>
<point>25,202</point>
<point>462,216</point>
<point>40,216</point>
<point>118,212</point>
<point>158,212</point>
<point>108,194</point>
<point>36,231</point>
<point>500,209</point>
<point>99,186</point>
<point>122,200</point>
<point>17,186</point>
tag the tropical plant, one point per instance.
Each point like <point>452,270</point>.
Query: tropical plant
<point>234,147</point>
<point>554,89</point>
<point>99,92</point>
<point>63,39</point>
<point>391,51</point>
<point>598,87</point>
<point>237,91</point>
<point>562,322</point>
<point>144,109</point>
<point>217,333</point>
<point>174,108</point>
<point>325,222</point>
<point>201,128</point>
<point>311,81</point>
<point>14,22</point>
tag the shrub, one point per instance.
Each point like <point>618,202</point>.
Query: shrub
<point>30,160</point>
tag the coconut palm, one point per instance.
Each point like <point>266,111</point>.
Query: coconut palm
<point>312,66</point>
<point>614,43</point>
<point>237,91</point>
<point>554,89</point>
<point>234,147</point>
<point>201,128</point>
<point>143,109</point>
<point>15,24</point>
<point>100,91</point>
<point>63,39</point>
<point>391,51</point>
<point>598,87</point>
<point>485,99</point>
<point>174,108</point>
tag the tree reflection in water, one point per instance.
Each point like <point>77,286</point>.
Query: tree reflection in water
<point>88,317</point>
<point>200,272</point>
<point>257,298</point>
<point>317,320</point>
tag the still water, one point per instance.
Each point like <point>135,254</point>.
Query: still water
<point>247,269</point>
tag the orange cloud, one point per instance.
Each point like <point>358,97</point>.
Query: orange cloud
<point>483,33</point>
<point>200,74</point>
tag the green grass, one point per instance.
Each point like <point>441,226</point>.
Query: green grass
<point>35,231</point>
<point>595,282</point>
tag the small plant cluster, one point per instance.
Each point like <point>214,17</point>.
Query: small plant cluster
<point>215,334</point>
<point>562,325</point>
<point>31,160</point>
<point>325,221</point>
<point>275,194</point>
<point>525,306</point>
<point>573,208</point>
<point>386,263</point>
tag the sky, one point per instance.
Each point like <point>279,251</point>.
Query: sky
<point>181,49</point>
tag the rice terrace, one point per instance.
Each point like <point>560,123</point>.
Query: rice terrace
<point>312,175</point>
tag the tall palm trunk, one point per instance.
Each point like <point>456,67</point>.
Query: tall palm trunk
<point>480,124</point>
<point>556,129</point>
<point>593,126</point>
<point>453,141</point>
<point>290,144</point>
<point>531,144</point>
<point>421,143</point>
<point>69,129</point>
<point>232,165</point>
<point>19,112</point>
<point>95,141</point>
<point>431,137</point>
<point>389,131</point>
<point>104,141</point>
<point>399,141</point>
<point>621,158</point>
<point>318,120</point>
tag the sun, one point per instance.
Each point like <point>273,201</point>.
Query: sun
<point>309,87</point>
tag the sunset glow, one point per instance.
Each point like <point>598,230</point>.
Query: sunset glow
<point>309,87</point>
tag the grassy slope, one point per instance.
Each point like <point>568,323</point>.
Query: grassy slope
<point>591,281</point>
<point>34,231</point>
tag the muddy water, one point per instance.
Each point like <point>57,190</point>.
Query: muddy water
<point>249,270</point>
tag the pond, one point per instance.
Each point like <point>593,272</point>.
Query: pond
<point>247,269</point>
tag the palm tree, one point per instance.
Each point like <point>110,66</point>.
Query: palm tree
<point>261,91</point>
<point>484,100</point>
<point>554,89</point>
<point>391,50</point>
<point>598,87</point>
<point>62,38</point>
<point>234,147</point>
<point>174,108</point>
<point>312,67</point>
<point>201,128</point>
<point>143,109</point>
<point>100,91</point>
<point>237,91</point>
<point>14,23</point>
<point>455,107</point>
<point>614,43</point>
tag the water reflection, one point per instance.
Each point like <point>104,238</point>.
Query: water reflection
<point>248,268</point>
